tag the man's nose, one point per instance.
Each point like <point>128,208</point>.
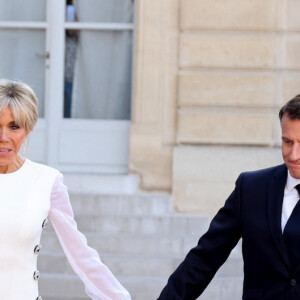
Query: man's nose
<point>295,153</point>
<point>4,135</point>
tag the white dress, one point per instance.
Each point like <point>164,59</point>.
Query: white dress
<point>27,197</point>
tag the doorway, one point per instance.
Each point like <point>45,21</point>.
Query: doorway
<point>94,136</point>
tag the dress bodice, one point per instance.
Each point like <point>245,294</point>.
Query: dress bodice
<point>27,197</point>
<point>24,205</point>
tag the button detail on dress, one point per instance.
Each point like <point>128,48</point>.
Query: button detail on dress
<point>39,298</point>
<point>37,249</point>
<point>293,282</point>
<point>45,222</point>
<point>36,275</point>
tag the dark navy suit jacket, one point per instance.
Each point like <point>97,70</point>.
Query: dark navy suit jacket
<point>252,212</point>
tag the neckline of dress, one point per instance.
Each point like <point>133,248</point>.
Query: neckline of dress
<point>16,171</point>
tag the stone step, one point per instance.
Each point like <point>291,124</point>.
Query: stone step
<point>129,265</point>
<point>123,265</point>
<point>171,224</point>
<point>84,183</point>
<point>140,240</point>
<point>144,204</point>
<point>58,287</point>
<point>128,244</point>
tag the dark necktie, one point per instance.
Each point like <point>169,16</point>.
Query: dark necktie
<point>291,233</point>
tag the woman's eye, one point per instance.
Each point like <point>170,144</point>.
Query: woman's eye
<point>14,127</point>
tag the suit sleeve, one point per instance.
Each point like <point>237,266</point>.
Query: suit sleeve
<point>202,262</point>
<point>99,282</point>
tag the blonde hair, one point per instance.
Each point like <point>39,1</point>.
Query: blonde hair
<point>21,100</point>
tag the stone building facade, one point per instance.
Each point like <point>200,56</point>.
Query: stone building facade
<point>209,79</point>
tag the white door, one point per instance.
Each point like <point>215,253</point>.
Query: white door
<point>23,52</point>
<point>95,137</point>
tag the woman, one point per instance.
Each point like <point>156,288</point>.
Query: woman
<point>29,193</point>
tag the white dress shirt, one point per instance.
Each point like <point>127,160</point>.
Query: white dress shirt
<point>290,199</point>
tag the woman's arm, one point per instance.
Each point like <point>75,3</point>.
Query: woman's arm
<point>100,283</point>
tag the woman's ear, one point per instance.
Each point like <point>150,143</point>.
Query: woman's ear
<point>26,137</point>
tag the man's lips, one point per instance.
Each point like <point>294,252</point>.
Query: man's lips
<point>294,163</point>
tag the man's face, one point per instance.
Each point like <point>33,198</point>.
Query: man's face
<point>291,144</point>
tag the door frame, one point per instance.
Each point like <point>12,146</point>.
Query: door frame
<point>57,141</point>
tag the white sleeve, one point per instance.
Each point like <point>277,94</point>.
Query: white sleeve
<point>100,283</point>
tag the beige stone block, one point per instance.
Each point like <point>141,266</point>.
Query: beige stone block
<point>217,50</point>
<point>204,176</point>
<point>290,88</point>
<point>151,160</point>
<point>221,127</point>
<point>194,201</point>
<point>224,88</point>
<point>292,15</point>
<point>250,14</point>
<point>155,65</point>
<point>205,163</point>
<point>291,53</point>
<point>154,106</point>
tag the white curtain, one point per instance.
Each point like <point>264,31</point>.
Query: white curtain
<point>23,10</point>
<point>102,78</point>
<point>20,49</point>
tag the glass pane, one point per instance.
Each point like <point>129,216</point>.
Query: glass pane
<point>21,60</point>
<point>109,11</point>
<point>101,85</point>
<point>23,10</point>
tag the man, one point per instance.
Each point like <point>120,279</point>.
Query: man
<point>263,211</point>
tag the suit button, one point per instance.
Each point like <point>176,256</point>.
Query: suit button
<point>293,282</point>
<point>36,275</point>
<point>39,298</point>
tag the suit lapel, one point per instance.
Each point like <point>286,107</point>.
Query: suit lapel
<point>275,200</point>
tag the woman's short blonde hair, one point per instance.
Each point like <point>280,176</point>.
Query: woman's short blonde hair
<point>21,100</point>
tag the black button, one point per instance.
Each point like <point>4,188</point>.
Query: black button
<point>39,298</point>
<point>293,282</point>
<point>36,275</point>
<point>45,222</point>
<point>37,249</point>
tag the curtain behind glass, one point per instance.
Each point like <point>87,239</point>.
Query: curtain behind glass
<point>23,10</point>
<point>19,48</point>
<point>19,60</point>
<point>102,78</point>
<point>105,11</point>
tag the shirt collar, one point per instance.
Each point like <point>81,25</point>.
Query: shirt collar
<point>291,182</point>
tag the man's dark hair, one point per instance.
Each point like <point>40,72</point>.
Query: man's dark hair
<point>291,108</point>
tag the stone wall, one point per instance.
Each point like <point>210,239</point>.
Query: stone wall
<point>153,131</point>
<point>210,77</point>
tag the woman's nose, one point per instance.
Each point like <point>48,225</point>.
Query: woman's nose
<point>3,135</point>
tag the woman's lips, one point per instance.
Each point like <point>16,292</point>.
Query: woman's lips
<point>4,151</point>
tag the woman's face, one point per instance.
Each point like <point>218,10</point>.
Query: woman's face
<point>11,139</point>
